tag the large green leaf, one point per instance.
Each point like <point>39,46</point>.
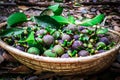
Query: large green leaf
<point>57,9</point>
<point>61,19</point>
<point>11,32</point>
<point>71,19</point>
<point>102,31</point>
<point>15,18</point>
<point>96,20</point>
<point>46,21</point>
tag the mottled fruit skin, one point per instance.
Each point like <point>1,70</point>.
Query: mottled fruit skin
<point>58,49</point>
<point>49,53</point>
<point>83,53</point>
<point>20,48</point>
<point>65,56</point>
<point>60,41</point>
<point>76,37</point>
<point>41,32</point>
<point>66,37</point>
<point>80,28</point>
<point>33,50</point>
<point>105,40</point>
<point>72,27</point>
<point>48,39</point>
<point>56,34</point>
<point>84,31</point>
<point>77,44</point>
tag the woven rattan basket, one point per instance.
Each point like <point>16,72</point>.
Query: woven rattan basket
<point>67,66</point>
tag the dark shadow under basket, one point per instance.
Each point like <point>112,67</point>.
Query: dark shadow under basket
<point>67,66</point>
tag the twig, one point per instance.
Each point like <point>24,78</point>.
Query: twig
<point>100,3</point>
<point>3,24</point>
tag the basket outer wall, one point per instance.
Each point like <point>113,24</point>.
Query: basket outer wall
<point>65,66</point>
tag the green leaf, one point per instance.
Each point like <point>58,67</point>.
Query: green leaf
<point>48,12</point>
<point>57,9</point>
<point>45,21</point>
<point>90,22</point>
<point>58,0</point>
<point>15,18</point>
<point>71,19</point>
<point>11,32</point>
<point>102,31</point>
<point>61,19</point>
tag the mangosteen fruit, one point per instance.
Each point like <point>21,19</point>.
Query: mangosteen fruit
<point>66,37</point>
<point>48,39</point>
<point>83,53</point>
<point>33,50</point>
<point>77,44</point>
<point>58,49</point>
<point>49,53</point>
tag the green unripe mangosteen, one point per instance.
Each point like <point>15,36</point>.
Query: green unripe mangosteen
<point>100,44</point>
<point>49,53</point>
<point>56,34</point>
<point>59,50</point>
<point>33,50</point>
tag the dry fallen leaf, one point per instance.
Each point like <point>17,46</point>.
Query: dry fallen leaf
<point>21,69</point>
<point>1,59</point>
<point>8,57</point>
<point>117,28</point>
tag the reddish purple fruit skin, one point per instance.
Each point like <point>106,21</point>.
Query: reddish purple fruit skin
<point>48,39</point>
<point>76,44</point>
<point>100,51</point>
<point>76,37</point>
<point>105,40</point>
<point>65,56</point>
<point>20,48</point>
<point>66,37</point>
<point>83,53</point>
<point>80,28</point>
<point>60,41</point>
<point>72,27</point>
<point>40,32</point>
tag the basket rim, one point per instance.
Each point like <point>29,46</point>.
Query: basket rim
<point>59,60</point>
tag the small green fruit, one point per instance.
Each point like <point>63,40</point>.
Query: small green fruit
<point>59,50</point>
<point>33,50</point>
<point>90,45</point>
<point>49,53</point>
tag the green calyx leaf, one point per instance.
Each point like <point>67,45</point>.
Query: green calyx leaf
<point>57,9</point>
<point>91,22</point>
<point>31,39</point>
<point>11,32</point>
<point>15,18</point>
<point>102,31</point>
<point>45,21</point>
<point>61,19</point>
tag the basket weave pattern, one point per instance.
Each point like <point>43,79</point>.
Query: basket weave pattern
<point>67,66</point>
